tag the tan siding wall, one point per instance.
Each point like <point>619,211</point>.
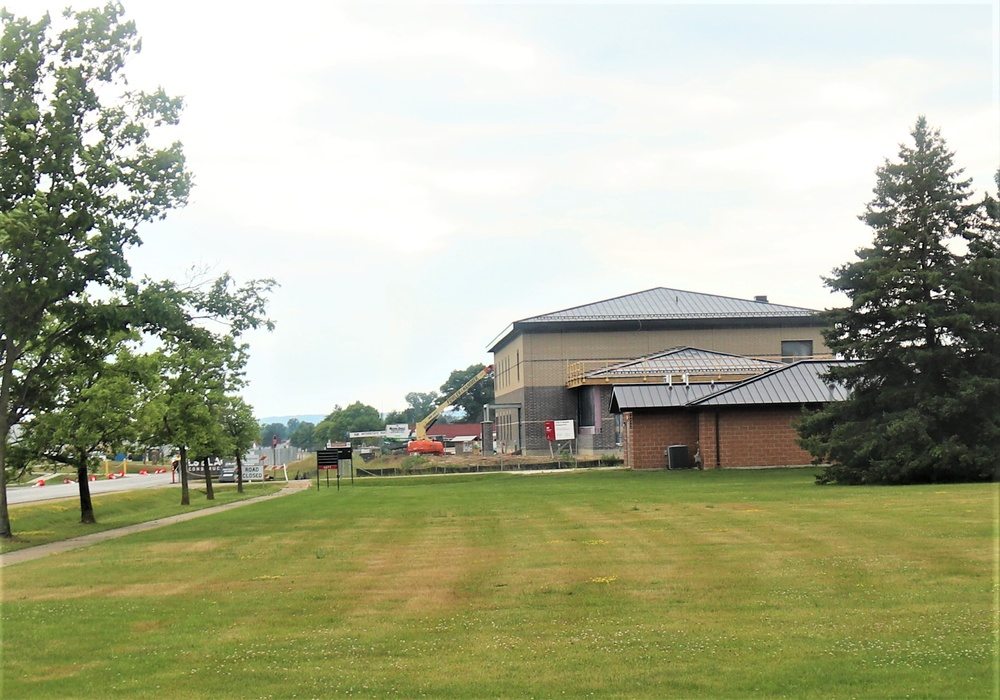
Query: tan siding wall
<point>550,353</point>
<point>508,370</point>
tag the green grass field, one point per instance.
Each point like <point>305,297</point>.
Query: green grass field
<point>57,520</point>
<point>604,584</point>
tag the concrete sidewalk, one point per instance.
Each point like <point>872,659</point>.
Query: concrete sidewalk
<point>44,550</point>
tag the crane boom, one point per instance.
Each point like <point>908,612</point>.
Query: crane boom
<point>420,443</point>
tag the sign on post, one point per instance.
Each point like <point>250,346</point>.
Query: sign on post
<point>253,471</point>
<point>558,431</point>
<point>564,430</point>
<point>334,458</point>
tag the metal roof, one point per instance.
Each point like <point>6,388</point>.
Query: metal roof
<point>664,303</point>
<point>797,383</point>
<point>663,308</point>
<point>636,396</point>
<point>685,360</point>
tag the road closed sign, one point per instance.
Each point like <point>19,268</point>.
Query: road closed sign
<point>253,471</point>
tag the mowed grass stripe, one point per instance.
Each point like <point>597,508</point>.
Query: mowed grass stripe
<point>599,584</point>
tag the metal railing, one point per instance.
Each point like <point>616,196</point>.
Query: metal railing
<point>675,370</point>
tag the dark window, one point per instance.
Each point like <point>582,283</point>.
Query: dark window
<point>792,350</point>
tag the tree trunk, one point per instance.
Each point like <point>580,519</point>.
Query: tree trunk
<point>86,505</point>
<point>185,494</point>
<point>8,373</point>
<point>209,492</point>
<point>5,531</point>
<point>239,474</point>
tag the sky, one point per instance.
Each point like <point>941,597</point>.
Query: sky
<point>418,176</point>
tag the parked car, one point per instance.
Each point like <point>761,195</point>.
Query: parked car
<point>228,474</point>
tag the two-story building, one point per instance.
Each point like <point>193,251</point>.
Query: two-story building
<point>564,364</point>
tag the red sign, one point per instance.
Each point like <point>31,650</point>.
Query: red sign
<point>550,430</point>
<point>274,441</point>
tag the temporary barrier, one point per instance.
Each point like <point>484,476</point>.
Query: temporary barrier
<point>276,467</point>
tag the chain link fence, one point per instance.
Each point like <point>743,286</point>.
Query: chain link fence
<point>277,455</point>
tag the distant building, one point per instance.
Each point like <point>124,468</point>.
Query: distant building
<point>565,364</point>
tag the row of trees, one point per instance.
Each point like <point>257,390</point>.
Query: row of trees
<point>90,358</point>
<point>923,325</point>
<point>359,417</point>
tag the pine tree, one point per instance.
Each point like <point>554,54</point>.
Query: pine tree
<point>918,327</point>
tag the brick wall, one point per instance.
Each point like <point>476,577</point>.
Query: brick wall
<point>542,403</point>
<point>653,432</point>
<point>759,437</point>
<point>748,437</point>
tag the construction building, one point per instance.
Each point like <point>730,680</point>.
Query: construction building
<point>565,365</point>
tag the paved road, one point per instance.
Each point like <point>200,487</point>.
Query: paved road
<point>31,494</point>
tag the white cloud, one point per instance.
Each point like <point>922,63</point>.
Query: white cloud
<point>395,165</point>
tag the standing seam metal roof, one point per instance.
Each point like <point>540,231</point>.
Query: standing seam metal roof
<point>664,303</point>
<point>798,383</point>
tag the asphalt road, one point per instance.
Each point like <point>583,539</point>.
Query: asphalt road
<point>31,494</point>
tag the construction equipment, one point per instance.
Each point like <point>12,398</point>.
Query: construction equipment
<point>420,444</point>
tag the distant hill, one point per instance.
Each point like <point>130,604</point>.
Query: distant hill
<point>314,419</point>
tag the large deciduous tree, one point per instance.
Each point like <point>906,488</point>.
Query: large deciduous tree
<point>79,172</point>
<point>202,368</point>
<point>473,400</point>
<point>96,411</point>
<point>922,326</point>
<point>356,417</point>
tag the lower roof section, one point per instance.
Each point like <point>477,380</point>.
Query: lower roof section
<point>802,382</point>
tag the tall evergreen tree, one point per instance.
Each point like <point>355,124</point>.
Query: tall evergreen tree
<point>918,326</point>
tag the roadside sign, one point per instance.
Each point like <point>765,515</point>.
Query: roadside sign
<point>253,471</point>
<point>397,430</point>
<point>564,430</point>
<point>367,433</point>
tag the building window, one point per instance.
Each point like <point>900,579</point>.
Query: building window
<point>792,350</point>
<point>589,408</point>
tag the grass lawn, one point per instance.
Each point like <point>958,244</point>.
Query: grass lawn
<point>604,584</point>
<point>52,521</point>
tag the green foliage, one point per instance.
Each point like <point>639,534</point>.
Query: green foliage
<point>202,369</point>
<point>303,436</point>
<point>78,175</point>
<point>413,463</point>
<point>471,403</point>
<point>923,326</point>
<point>96,411</point>
<point>420,404</point>
<point>357,417</point>
<point>270,431</point>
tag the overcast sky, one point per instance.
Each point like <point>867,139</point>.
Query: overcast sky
<point>416,177</point>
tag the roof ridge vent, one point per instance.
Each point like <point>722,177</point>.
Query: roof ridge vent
<point>762,298</point>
